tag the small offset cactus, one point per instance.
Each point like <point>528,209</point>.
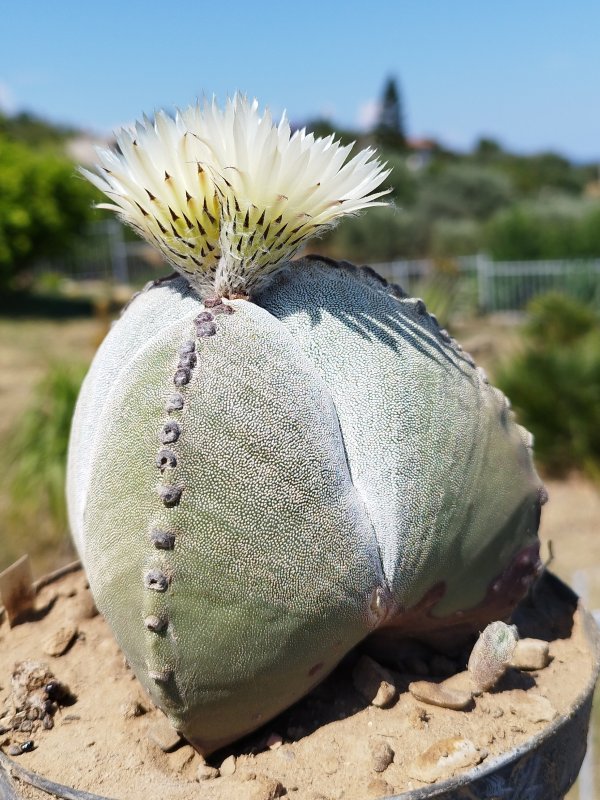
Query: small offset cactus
<point>271,460</point>
<point>492,654</point>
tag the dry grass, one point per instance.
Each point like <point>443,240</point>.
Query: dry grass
<point>27,349</point>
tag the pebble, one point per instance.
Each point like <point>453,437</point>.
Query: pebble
<point>444,758</point>
<point>228,766</point>
<point>531,706</point>
<point>330,764</point>
<point>206,773</point>
<point>378,788</point>
<point>133,709</point>
<point>19,749</point>
<point>164,735</point>
<point>181,758</point>
<point>437,694</point>
<point>375,683</point>
<point>59,642</point>
<point>263,788</point>
<point>86,608</point>
<point>531,654</point>
<point>381,754</point>
<point>274,741</point>
<point>461,682</point>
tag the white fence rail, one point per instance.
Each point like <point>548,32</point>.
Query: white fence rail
<point>106,254</point>
<point>502,285</point>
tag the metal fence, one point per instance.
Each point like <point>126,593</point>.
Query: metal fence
<point>502,285</point>
<point>106,254</point>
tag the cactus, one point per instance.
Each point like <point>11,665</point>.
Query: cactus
<point>270,459</point>
<point>492,654</point>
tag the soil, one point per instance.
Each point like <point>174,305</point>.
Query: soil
<point>107,738</point>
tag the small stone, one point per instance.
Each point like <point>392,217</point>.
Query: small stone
<point>274,741</point>
<point>443,759</point>
<point>381,753</point>
<point>86,607</point>
<point>164,735</point>
<point>378,788</point>
<point>329,764</point>
<point>59,642</point>
<point>530,654</point>
<point>437,694</point>
<point>228,766</point>
<point>14,750</point>
<point>133,709</point>
<point>532,707</point>
<point>181,758</point>
<point>263,788</point>
<point>461,682</point>
<point>374,682</point>
<point>206,773</point>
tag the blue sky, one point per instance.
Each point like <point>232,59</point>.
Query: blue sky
<point>526,72</point>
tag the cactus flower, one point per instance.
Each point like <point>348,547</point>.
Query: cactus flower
<point>271,459</point>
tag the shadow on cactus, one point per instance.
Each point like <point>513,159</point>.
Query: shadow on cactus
<point>272,460</point>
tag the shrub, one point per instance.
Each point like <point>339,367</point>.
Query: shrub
<point>35,466</point>
<point>554,384</point>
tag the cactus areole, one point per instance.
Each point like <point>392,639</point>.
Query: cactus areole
<point>271,459</point>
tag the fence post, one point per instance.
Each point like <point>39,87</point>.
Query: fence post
<point>118,252</point>
<point>484,269</point>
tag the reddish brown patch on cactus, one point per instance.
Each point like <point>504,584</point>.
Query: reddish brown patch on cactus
<point>452,631</point>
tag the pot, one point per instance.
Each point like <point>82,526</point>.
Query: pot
<point>542,768</point>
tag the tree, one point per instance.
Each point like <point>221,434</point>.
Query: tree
<point>390,124</point>
<point>44,206</point>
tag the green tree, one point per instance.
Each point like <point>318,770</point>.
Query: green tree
<point>463,191</point>
<point>44,206</point>
<point>389,131</point>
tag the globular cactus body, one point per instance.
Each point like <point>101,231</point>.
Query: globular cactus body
<point>260,479</point>
<point>334,462</point>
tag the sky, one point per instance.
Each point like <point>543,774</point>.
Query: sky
<point>525,72</point>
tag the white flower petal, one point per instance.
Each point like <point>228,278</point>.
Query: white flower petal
<point>227,195</point>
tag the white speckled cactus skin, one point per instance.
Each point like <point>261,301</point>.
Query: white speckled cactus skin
<point>257,485</point>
